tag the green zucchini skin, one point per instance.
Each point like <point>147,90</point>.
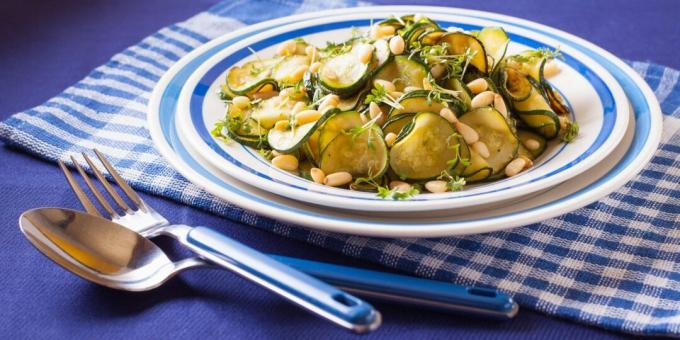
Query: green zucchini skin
<point>344,65</point>
<point>456,84</point>
<point>536,113</point>
<point>495,41</point>
<point>413,70</point>
<point>554,98</point>
<point>425,151</point>
<point>458,42</point>
<point>423,100</point>
<point>397,123</point>
<point>251,77</point>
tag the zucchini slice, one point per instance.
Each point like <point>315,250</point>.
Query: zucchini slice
<point>426,150</point>
<point>397,123</point>
<point>292,139</point>
<point>269,111</point>
<point>465,93</point>
<point>336,123</point>
<point>412,33</point>
<point>424,101</point>
<point>381,54</point>
<point>459,42</point>
<point>311,147</point>
<point>431,36</point>
<point>283,70</point>
<point>251,77</point>
<point>350,74</point>
<point>514,84</point>
<point>494,131</point>
<point>406,72</point>
<point>556,101</point>
<point>536,113</point>
<point>478,170</point>
<point>495,42</point>
<point>354,102</point>
<point>362,154</point>
<point>524,136</point>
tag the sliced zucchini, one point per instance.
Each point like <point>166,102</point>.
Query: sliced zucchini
<point>362,154</point>
<point>397,123</point>
<point>311,147</point>
<point>494,131</point>
<point>478,170</point>
<point>349,74</point>
<point>354,102</point>
<point>411,33</point>
<point>426,150</point>
<point>225,93</point>
<point>284,69</point>
<point>292,139</point>
<point>381,54</point>
<point>425,101</point>
<point>248,133</point>
<point>536,113</point>
<point>403,72</point>
<point>556,101</point>
<point>269,111</point>
<point>465,93</point>
<point>514,84</point>
<point>495,42</point>
<point>337,123</point>
<point>525,136</point>
<point>251,77</point>
<point>431,36</point>
<point>459,42</point>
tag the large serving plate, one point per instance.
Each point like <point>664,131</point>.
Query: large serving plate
<point>599,103</point>
<point>625,162</point>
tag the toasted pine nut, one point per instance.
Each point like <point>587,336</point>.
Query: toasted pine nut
<point>374,110</point>
<point>408,89</point>
<point>331,99</point>
<point>315,67</point>
<point>483,99</point>
<point>265,94</point>
<point>532,144</point>
<point>242,102</point>
<point>307,116</point>
<point>330,74</point>
<point>286,48</point>
<point>426,84</point>
<point>478,85</point>
<point>317,175</point>
<point>297,75</point>
<point>528,161</point>
<point>436,186</point>
<point>276,153</point>
<point>499,104</point>
<point>396,94</point>
<point>448,115</point>
<point>310,51</point>
<point>397,45</point>
<point>282,125</point>
<point>365,53</point>
<point>481,149</point>
<point>469,134</point>
<point>438,70</point>
<point>515,166</point>
<point>337,179</point>
<point>382,31</point>
<point>285,162</point>
<point>550,69</point>
<point>299,106</point>
<point>400,186</point>
<point>390,138</point>
<point>388,85</point>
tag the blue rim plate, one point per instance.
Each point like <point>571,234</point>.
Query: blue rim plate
<point>599,102</point>
<point>576,193</point>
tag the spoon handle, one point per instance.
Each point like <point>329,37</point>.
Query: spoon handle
<point>310,293</point>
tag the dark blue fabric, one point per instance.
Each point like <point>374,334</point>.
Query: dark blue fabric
<point>45,47</point>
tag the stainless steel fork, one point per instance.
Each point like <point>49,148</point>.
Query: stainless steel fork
<point>308,292</point>
<point>377,285</point>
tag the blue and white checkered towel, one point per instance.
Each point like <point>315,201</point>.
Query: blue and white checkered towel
<point>614,263</point>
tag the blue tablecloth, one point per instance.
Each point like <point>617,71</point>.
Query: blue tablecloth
<point>45,47</point>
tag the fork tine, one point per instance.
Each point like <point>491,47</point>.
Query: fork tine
<point>82,197</point>
<point>112,192</point>
<point>97,194</point>
<point>119,180</point>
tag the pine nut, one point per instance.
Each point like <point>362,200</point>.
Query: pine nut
<point>436,186</point>
<point>382,31</point>
<point>299,106</point>
<point>285,162</point>
<point>365,53</point>
<point>310,51</point>
<point>331,99</point>
<point>528,161</point>
<point>286,48</point>
<point>550,69</point>
<point>499,104</point>
<point>364,118</point>
<point>564,123</point>
<point>532,144</point>
<point>448,115</point>
<point>438,70</point>
<point>478,85</point>
<point>469,134</point>
<point>427,85</point>
<point>265,94</point>
<point>282,125</point>
<point>481,149</point>
<point>515,166</point>
<point>337,179</point>
<point>396,94</point>
<point>397,45</point>
<point>297,75</point>
<point>315,67</point>
<point>307,116</point>
<point>399,185</point>
<point>330,74</point>
<point>483,99</point>
<point>388,85</point>
<point>276,153</point>
<point>374,110</point>
<point>408,89</point>
<point>241,102</point>
<point>317,175</point>
<point>390,138</point>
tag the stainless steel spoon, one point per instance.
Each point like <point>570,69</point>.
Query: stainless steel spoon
<point>111,255</point>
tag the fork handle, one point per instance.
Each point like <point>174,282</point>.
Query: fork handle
<point>302,289</point>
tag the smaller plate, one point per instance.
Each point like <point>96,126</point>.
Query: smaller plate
<point>599,104</point>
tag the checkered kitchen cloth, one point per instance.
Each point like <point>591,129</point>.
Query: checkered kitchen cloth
<point>614,263</point>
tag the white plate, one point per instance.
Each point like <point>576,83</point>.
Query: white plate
<point>599,104</point>
<point>564,198</point>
